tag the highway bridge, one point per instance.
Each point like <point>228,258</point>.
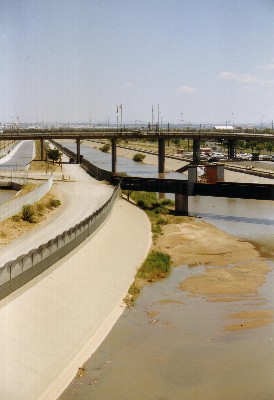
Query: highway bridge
<point>33,134</point>
<point>181,188</point>
<point>161,135</point>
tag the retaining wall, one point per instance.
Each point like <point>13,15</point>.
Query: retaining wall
<point>17,273</point>
<point>14,206</point>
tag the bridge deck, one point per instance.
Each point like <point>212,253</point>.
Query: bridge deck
<point>133,134</point>
<point>220,189</point>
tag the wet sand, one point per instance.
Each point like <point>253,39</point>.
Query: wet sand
<point>233,269</point>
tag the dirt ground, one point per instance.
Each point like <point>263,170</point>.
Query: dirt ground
<point>234,270</point>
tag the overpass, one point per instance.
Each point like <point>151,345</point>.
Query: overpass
<point>161,135</point>
<point>181,188</point>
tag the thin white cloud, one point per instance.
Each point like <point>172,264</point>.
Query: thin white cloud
<point>266,67</point>
<point>129,84</point>
<point>187,90</point>
<point>244,78</point>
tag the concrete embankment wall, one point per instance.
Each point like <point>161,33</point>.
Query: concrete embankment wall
<point>14,206</point>
<point>17,273</point>
<point>53,324</point>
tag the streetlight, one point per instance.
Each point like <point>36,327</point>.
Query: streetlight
<point>226,122</point>
<point>262,122</point>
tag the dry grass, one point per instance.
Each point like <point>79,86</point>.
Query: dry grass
<point>37,165</point>
<point>15,226</point>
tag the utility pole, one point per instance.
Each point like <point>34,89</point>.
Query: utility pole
<point>121,107</point>
<point>117,116</point>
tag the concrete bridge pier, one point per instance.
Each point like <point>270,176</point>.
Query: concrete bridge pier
<point>231,149</point>
<point>196,151</point>
<point>181,200</point>
<point>161,155</point>
<point>181,204</point>
<point>114,156</point>
<point>42,149</point>
<point>78,153</point>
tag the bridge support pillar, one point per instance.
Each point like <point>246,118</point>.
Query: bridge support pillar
<point>161,155</point>
<point>78,160</point>
<point>196,151</point>
<point>181,204</point>
<point>113,156</point>
<point>231,149</point>
<point>42,149</point>
<point>181,200</point>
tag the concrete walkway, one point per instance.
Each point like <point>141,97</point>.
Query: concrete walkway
<point>52,325</point>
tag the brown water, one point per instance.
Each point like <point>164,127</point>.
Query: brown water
<point>174,347</point>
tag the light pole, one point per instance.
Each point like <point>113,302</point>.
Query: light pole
<point>117,116</point>
<point>121,107</point>
<point>262,122</point>
<point>226,122</point>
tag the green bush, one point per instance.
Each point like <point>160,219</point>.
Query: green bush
<point>147,199</point>
<point>167,202</point>
<point>28,213</point>
<point>53,203</point>
<point>105,148</point>
<point>138,157</point>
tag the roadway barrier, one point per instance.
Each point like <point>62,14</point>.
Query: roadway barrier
<point>17,273</point>
<point>95,172</point>
<point>14,206</point>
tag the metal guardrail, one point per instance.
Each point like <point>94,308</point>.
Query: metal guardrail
<point>14,274</point>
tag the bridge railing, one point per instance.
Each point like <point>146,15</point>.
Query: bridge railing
<point>17,273</point>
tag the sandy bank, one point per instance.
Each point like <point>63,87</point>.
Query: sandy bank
<point>234,270</point>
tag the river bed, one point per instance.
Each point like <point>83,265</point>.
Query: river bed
<point>174,346</point>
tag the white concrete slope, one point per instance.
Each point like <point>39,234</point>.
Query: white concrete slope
<point>52,325</point>
<point>79,198</point>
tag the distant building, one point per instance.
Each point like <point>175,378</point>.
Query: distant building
<point>223,127</point>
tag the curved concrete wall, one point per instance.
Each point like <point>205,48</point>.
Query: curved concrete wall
<point>17,273</point>
<point>14,206</point>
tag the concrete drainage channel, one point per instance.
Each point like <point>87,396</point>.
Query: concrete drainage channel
<point>14,274</point>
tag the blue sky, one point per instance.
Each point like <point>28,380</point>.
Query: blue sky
<point>75,60</point>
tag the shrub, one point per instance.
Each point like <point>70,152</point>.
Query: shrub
<point>28,213</point>
<point>105,148</point>
<point>53,203</point>
<point>167,202</point>
<point>138,157</point>
<point>147,199</point>
<point>40,208</point>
